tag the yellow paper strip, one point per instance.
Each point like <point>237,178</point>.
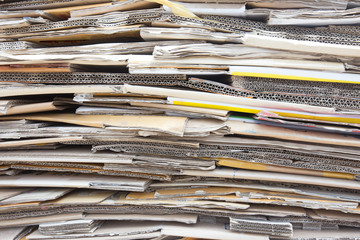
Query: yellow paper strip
<point>290,77</point>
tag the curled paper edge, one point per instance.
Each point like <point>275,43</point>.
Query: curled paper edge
<point>176,8</point>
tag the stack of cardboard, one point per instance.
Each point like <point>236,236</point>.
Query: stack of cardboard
<point>168,120</point>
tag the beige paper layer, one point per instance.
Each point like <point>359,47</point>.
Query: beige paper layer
<point>250,129</point>
<point>172,125</point>
<point>166,92</point>
<point>275,177</point>
<point>54,89</point>
<point>32,108</point>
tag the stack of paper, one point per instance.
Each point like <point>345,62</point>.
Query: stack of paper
<point>154,119</point>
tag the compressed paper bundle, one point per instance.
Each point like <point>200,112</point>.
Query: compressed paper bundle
<point>156,119</point>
